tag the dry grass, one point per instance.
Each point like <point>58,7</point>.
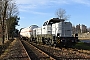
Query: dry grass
<point>4,49</point>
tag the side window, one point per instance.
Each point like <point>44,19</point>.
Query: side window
<point>45,24</point>
<point>50,23</point>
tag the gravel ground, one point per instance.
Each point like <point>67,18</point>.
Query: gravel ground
<point>15,52</point>
<point>64,53</point>
<point>35,53</point>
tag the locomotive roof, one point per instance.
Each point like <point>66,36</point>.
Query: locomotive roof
<point>52,21</point>
<point>56,20</point>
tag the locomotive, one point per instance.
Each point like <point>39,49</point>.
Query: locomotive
<point>55,32</point>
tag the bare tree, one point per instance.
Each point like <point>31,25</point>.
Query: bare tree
<point>73,29</point>
<point>12,13</point>
<point>61,14</point>
<point>9,9</point>
<point>3,16</point>
<point>12,9</point>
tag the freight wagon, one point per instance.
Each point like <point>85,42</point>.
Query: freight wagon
<point>55,32</point>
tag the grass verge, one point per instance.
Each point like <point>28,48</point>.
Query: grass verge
<point>82,45</point>
<point>5,46</point>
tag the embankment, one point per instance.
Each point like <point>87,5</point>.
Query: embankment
<point>84,36</point>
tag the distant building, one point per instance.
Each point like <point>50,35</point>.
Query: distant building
<point>78,30</point>
<point>83,28</point>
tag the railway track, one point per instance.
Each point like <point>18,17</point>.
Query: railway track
<point>59,54</point>
<point>35,53</point>
<point>43,52</point>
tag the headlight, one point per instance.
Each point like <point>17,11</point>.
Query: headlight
<point>61,40</point>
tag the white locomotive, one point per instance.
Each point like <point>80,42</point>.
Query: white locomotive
<point>53,32</point>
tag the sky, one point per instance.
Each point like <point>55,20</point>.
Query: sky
<point>36,12</point>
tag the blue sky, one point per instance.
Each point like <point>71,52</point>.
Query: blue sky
<point>38,11</point>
